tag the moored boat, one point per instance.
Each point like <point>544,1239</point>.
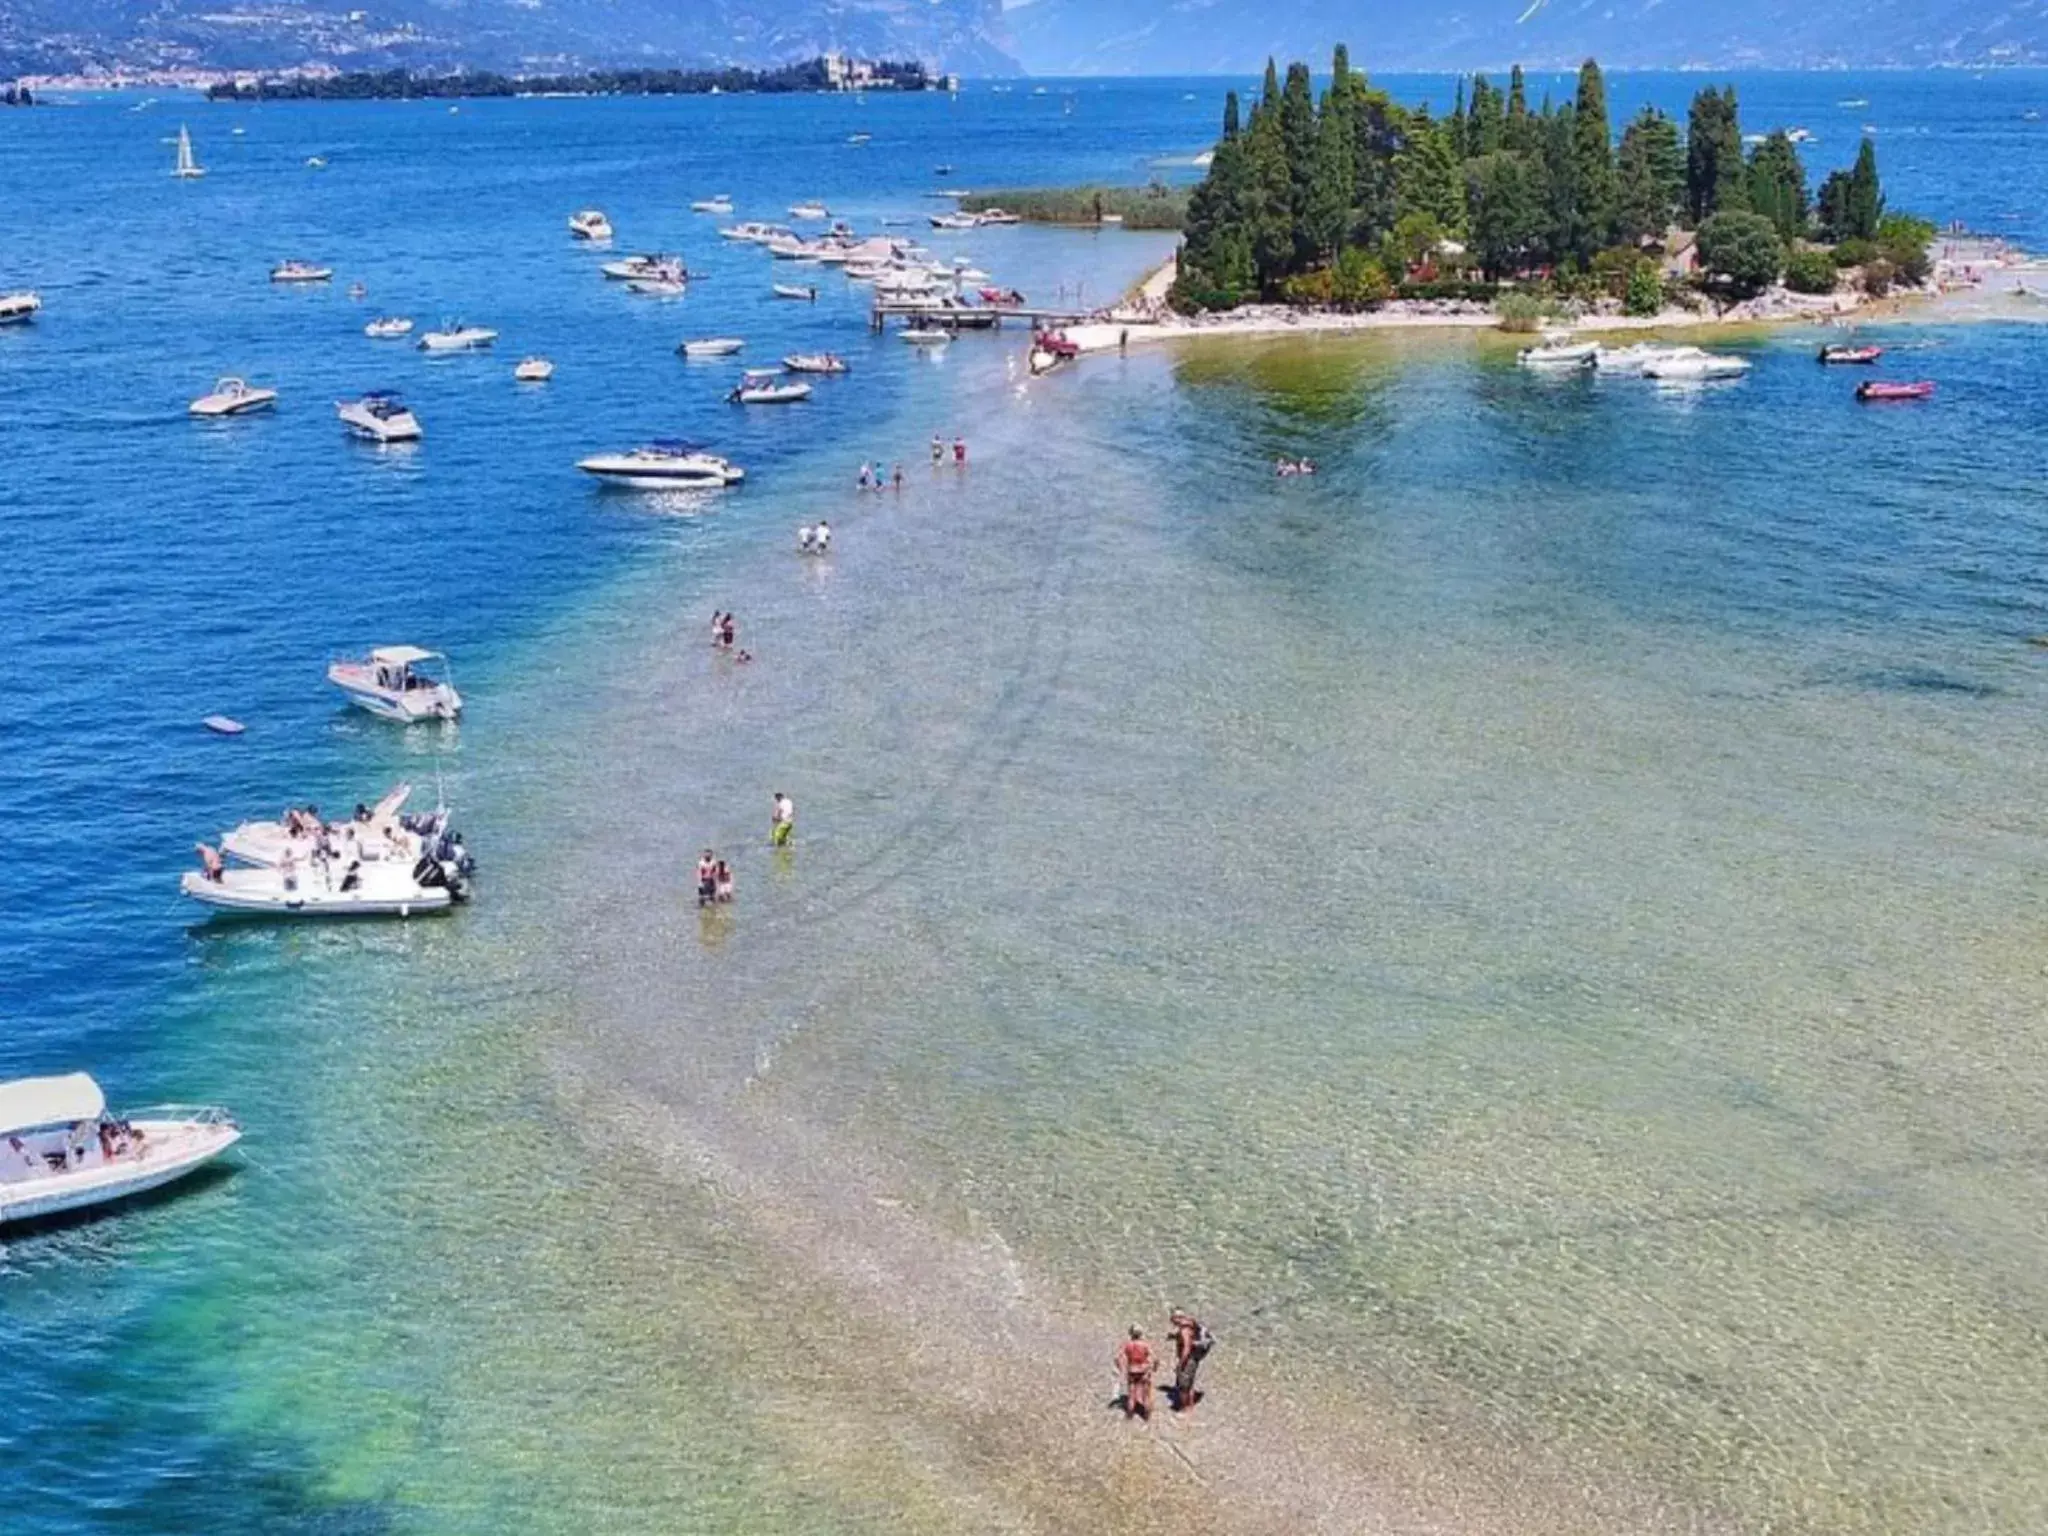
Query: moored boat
<point>534,370</point>
<point>398,682</point>
<point>718,204</point>
<point>380,416</point>
<point>300,272</point>
<point>815,362</point>
<point>61,1151</point>
<point>1692,365</point>
<point>233,397</point>
<point>925,335</point>
<point>792,291</point>
<point>1882,389</point>
<point>457,337</point>
<point>387,327</point>
<point>647,264</point>
<point>1560,354</point>
<point>19,308</point>
<point>712,346</point>
<point>811,211</point>
<point>328,887</point>
<point>380,832</point>
<point>763,393</point>
<point>664,465</point>
<point>1839,352</point>
<point>590,224</point>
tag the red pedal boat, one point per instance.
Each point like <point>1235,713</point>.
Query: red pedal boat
<point>1875,389</point>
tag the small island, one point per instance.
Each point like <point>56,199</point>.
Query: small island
<point>1154,206</point>
<point>1352,202</point>
<point>828,72</point>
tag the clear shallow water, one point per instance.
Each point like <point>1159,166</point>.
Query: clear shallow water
<point>1530,931</point>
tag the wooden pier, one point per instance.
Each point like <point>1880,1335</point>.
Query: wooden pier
<point>978,318</point>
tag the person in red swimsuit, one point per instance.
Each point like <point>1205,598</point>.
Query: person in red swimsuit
<point>1135,1365</point>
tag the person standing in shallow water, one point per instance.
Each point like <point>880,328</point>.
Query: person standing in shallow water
<point>1191,1344</point>
<point>782,820</point>
<point>1135,1364</point>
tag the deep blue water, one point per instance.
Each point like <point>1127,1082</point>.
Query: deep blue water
<point>154,570</point>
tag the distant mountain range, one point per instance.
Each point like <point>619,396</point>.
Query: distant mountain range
<point>1168,37</point>
<point>529,36</point>
<point>973,37</point>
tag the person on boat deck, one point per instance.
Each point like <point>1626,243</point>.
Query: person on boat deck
<point>707,878</point>
<point>782,820</point>
<point>19,1162</point>
<point>822,541</point>
<point>1134,1365</point>
<point>721,878</point>
<point>803,539</point>
<point>210,863</point>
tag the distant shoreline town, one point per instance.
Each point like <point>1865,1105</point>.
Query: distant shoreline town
<point>827,72</point>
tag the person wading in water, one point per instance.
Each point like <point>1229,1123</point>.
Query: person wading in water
<point>1135,1364</point>
<point>1191,1345</point>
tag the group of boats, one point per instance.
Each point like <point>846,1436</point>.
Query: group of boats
<point>1839,354</point>
<point>981,220</point>
<point>1641,360</point>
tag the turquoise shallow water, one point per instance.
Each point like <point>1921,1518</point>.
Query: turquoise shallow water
<point>1532,932</point>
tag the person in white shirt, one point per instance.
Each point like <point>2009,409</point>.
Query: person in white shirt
<point>822,540</point>
<point>803,539</point>
<point>782,820</point>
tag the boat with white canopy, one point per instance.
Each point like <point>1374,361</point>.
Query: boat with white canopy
<point>61,1151</point>
<point>399,682</point>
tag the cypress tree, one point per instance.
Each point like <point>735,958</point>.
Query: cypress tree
<point>1557,179</point>
<point>1731,173</point>
<point>1269,192</point>
<point>1427,177</point>
<point>1702,145</point>
<point>1485,119</point>
<point>1519,130</point>
<point>1454,125</point>
<point>1864,210</point>
<point>1335,180</point>
<point>1649,177</point>
<point>1777,185</point>
<point>1592,165</point>
<point>1298,142</point>
<point>1506,210</point>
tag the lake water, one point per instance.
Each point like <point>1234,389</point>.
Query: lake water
<point>1533,933</point>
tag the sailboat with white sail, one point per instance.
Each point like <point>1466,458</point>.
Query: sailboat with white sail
<point>188,168</point>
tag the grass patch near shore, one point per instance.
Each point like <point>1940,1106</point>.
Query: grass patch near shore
<point>1153,207</point>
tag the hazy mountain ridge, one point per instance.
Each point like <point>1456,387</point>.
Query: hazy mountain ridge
<point>64,36</point>
<point>1234,36</point>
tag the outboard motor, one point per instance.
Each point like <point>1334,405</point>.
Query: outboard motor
<point>429,874</point>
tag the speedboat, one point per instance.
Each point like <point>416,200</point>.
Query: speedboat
<point>793,248</point>
<point>316,162</point>
<point>859,138</point>
<point>1697,365</point>
<point>718,204</point>
<point>232,397</point>
<point>375,833</point>
<point>952,221</point>
<point>379,416</point>
<point>1879,389</point>
<point>1050,350</point>
<point>809,211</point>
<point>61,1151</point>
<point>329,886</point>
<point>647,264</point>
<point>712,346</point>
<point>590,224</point>
<point>396,682</point>
<point>1560,354</point>
<point>754,393</point>
<point>454,336</point>
<point>792,291</point>
<point>658,287</point>
<point>534,370</point>
<point>19,308</point>
<point>1635,359</point>
<point>757,234</point>
<point>1839,352</point>
<point>300,272</point>
<point>926,335</point>
<point>386,327</point>
<point>815,362</point>
<point>997,216</point>
<point>664,465</point>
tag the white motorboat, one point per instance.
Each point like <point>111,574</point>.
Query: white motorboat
<point>397,682</point>
<point>375,833</point>
<point>646,264</point>
<point>815,362</point>
<point>61,1151</point>
<point>300,272</point>
<point>658,287</point>
<point>590,224</point>
<point>1560,354</point>
<point>792,291</point>
<point>997,216</point>
<point>793,248</point>
<point>379,416</point>
<point>752,232</point>
<point>187,168</point>
<point>809,211</point>
<point>328,887</point>
<point>388,327</point>
<point>753,393</point>
<point>316,162</point>
<point>719,204</point>
<point>454,336</point>
<point>926,336</point>
<point>534,370</point>
<point>233,397</point>
<point>952,221</point>
<point>1699,365</point>
<point>19,308</point>
<point>664,466</point>
<point>1634,360</point>
<point>712,346</point>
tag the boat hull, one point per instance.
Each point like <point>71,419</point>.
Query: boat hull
<point>259,898</point>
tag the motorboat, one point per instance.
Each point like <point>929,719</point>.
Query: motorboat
<point>754,233</point>
<point>61,1151</point>
<point>316,162</point>
<point>590,224</point>
<point>300,272</point>
<point>926,335</point>
<point>758,375</point>
<point>187,168</point>
<point>647,264</point>
<point>760,393</point>
<point>792,291</point>
<point>1840,352</point>
<point>534,370</point>
<point>1050,350</point>
<point>997,216</point>
<point>1633,360</point>
<point>952,221</point>
<point>1004,298</point>
<point>718,204</point>
<point>1880,389</point>
<point>658,287</point>
<point>454,336</point>
<point>809,211</point>
<point>712,346</point>
<point>224,725</point>
<point>399,682</point>
<point>664,465</point>
<point>793,248</point>
<point>375,833</point>
<point>1694,366</point>
<point>388,327</point>
<point>859,138</point>
<point>233,397</point>
<point>815,362</point>
<point>1560,354</point>
<point>329,886</point>
<point>379,416</point>
<point>19,308</point>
